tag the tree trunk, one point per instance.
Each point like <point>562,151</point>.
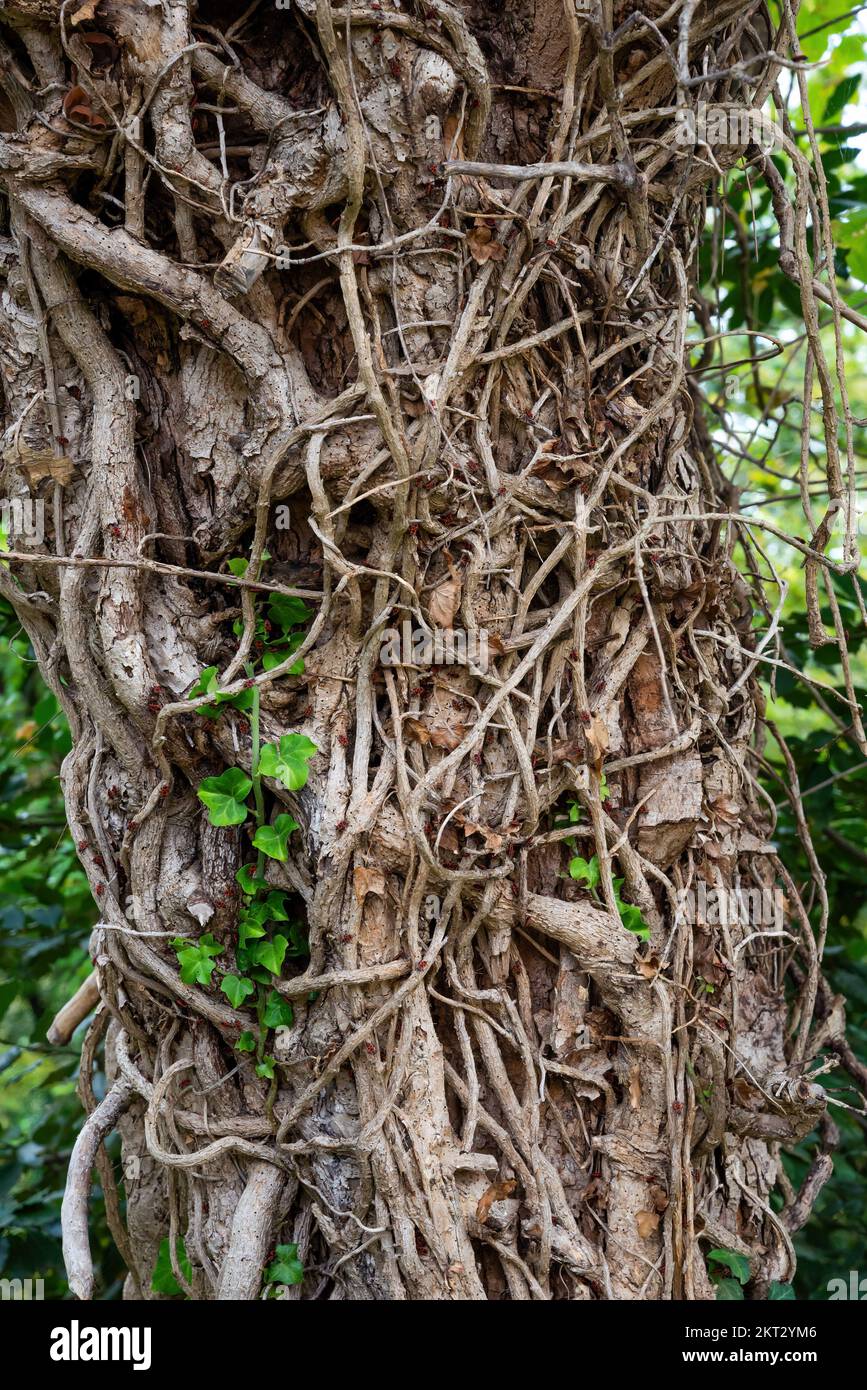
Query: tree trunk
<point>350,332</point>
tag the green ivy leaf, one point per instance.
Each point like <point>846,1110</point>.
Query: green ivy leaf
<point>278,1012</point>
<point>840,97</point>
<point>270,954</point>
<point>236,989</point>
<point>631,917</point>
<point>256,915</point>
<point>246,877</point>
<point>238,567</point>
<point>287,612</point>
<point>633,920</point>
<point>272,839</point>
<point>287,760</point>
<point>585,871</point>
<point>738,1265</point>
<point>196,958</point>
<point>779,1293</point>
<point>250,926</point>
<point>298,943</point>
<point>287,1268</point>
<point>277,655</point>
<point>729,1291</point>
<point>225,795</point>
<point>163,1280</point>
<point>242,701</point>
<point>275,906</point>
<point>265,1068</point>
<point>246,1043</point>
<point>208,684</point>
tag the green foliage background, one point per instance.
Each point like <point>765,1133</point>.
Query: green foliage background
<point>45,909</point>
<point>764,421</point>
<point>46,914</point>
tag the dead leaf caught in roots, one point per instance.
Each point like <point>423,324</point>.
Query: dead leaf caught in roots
<point>497,1192</point>
<point>77,109</point>
<point>446,599</point>
<point>482,246</point>
<point>85,12</point>
<point>40,463</point>
<point>597,738</point>
<point>647,1222</point>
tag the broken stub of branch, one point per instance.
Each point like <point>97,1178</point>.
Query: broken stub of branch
<point>76,1198</point>
<point>74,1011</point>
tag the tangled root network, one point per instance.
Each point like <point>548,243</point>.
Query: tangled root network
<point>396,310</point>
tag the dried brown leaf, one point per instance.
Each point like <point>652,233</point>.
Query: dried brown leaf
<point>635,1087</point>
<point>648,968</point>
<point>601,1023</point>
<point>559,471</point>
<point>134,309</point>
<point>417,729</point>
<point>726,809</point>
<point>447,737</point>
<point>453,138</point>
<point>41,463</point>
<point>445,602</point>
<point>492,838</point>
<point>482,246</point>
<point>560,751</point>
<point>497,1192</point>
<point>747,1095</point>
<point>647,1222</point>
<point>597,738</point>
<point>448,840</point>
<point>85,12</point>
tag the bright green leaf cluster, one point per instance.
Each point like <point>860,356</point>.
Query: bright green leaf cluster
<point>287,1268</point>
<point>587,872</point>
<point>279,631</point>
<point>729,1287</point>
<point>208,684</point>
<point>226,796</point>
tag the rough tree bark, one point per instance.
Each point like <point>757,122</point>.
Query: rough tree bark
<point>465,387</point>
